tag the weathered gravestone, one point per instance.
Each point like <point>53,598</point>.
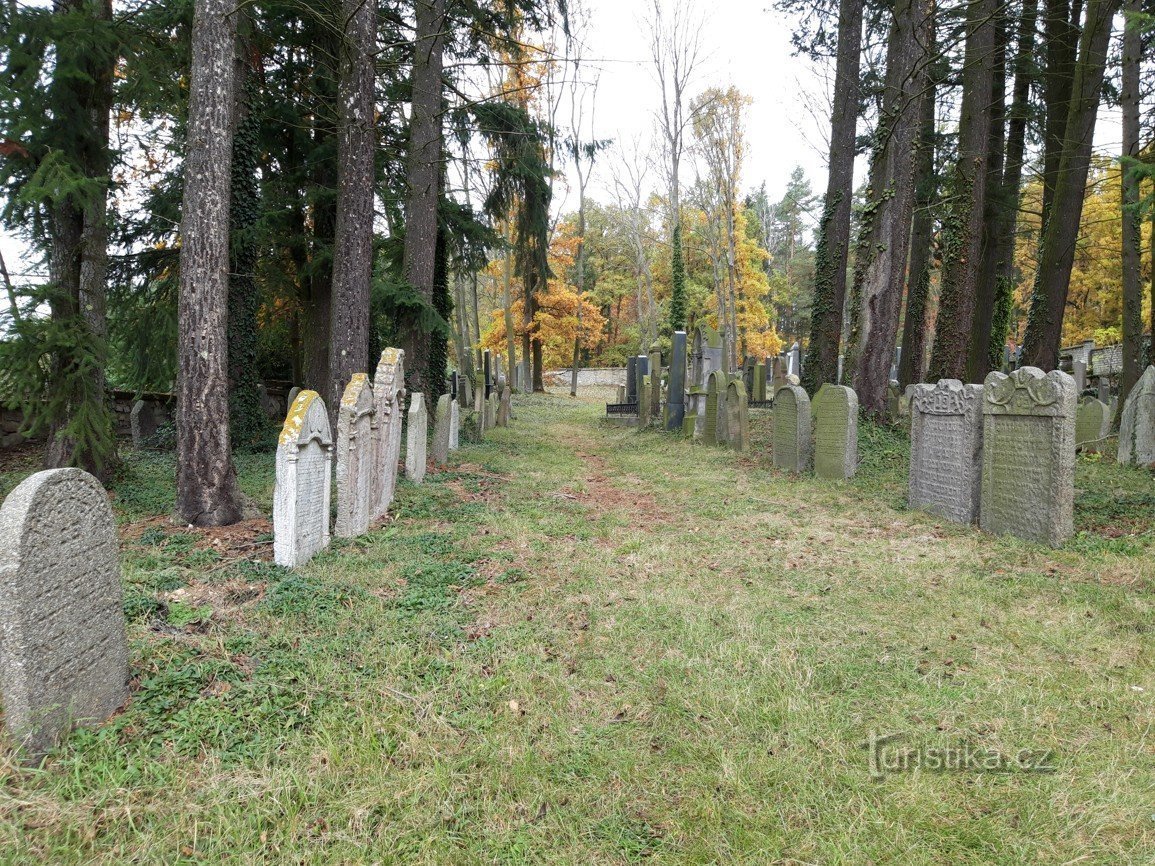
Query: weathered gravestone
<point>946,436</point>
<point>504,407</point>
<point>144,423</point>
<point>304,482</point>
<point>655,393</point>
<point>737,416</point>
<point>676,385</point>
<point>1092,425</point>
<point>713,417</point>
<point>416,437</point>
<point>63,656</point>
<point>480,404</point>
<point>388,401</point>
<point>760,382</point>
<point>644,403</point>
<point>491,411</point>
<point>1028,483</point>
<point>454,425</point>
<point>441,431</point>
<point>356,441</point>
<point>705,359</point>
<point>631,380</point>
<point>293,392</point>
<point>835,410</point>
<point>792,439</point>
<point>1137,423</point>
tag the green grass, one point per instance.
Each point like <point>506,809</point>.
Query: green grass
<point>586,644</point>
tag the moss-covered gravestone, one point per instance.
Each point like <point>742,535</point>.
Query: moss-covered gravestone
<point>835,410</point>
<point>441,430</point>
<point>1137,424</point>
<point>737,417</point>
<point>792,440</point>
<point>760,382</point>
<point>388,402</point>
<point>356,432</point>
<point>1092,425</point>
<point>946,435</point>
<point>713,426</point>
<point>304,482</point>
<point>1028,483</point>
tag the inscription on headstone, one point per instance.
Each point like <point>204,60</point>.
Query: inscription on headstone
<point>713,430</point>
<point>1028,476</point>
<point>303,485</point>
<point>792,439</point>
<point>946,449</point>
<point>388,401</point>
<point>835,410</point>
<point>356,438</point>
<point>63,655</point>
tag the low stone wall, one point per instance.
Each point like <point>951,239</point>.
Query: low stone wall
<point>586,377</point>
<point>11,420</point>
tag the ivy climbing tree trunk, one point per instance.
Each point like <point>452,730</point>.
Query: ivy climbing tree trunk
<point>1061,227</point>
<point>963,232</point>
<point>353,239</point>
<point>422,178</point>
<point>1132,280</point>
<point>1060,51</point>
<point>834,229</point>
<point>206,481</point>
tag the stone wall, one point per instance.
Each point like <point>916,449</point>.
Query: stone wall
<point>586,377</point>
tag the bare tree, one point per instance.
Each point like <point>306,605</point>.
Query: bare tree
<point>1132,282</point>
<point>583,151</point>
<point>628,174</point>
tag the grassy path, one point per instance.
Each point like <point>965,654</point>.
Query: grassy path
<point>589,645</point>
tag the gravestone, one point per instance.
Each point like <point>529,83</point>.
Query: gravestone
<point>631,380</point>
<point>1105,389</point>
<point>676,385</point>
<point>454,425</point>
<point>416,438</point>
<point>270,404</point>
<point>63,655</point>
<point>1080,374</point>
<point>946,435</point>
<point>792,440</point>
<point>1092,425</point>
<point>462,391</point>
<point>835,410</point>
<point>644,403</point>
<point>655,381</point>
<point>1028,483</point>
<point>621,393</point>
<point>487,362</point>
<point>505,407</point>
<point>714,422</point>
<point>293,392</point>
<point>388,401</point>
<point>1137,423</point>
<point>304,479</point>
<point>479,406</point>
<point>737,416</point>
<point>143,422</point>
<point>641,370</point>
<point>760,382</point>
<point>491,411</point>
<point>441,430</point>
<point>705,358</point>
<point>356,440</point>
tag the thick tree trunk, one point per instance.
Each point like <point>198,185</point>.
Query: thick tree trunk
<point>353,240</point>
<point>912,364</point>
<point>422,177</point>
<point>1061,44</point>
<point>1132,281</point>
<point>963,232</point>
<point>880,265</point>
<point>206,480</point>
<point>834,230</point>
<point>1061,229</point>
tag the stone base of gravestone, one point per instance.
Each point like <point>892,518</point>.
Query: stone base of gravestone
<point>835,410</point>
<point>946,449</point>
<point>63,654</point>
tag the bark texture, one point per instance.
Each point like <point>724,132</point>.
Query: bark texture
<point>1132,280</point>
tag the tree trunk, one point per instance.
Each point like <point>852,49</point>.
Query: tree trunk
<point>1061,43</point>
<point>206,481</point>
<point>507,308</point>
<point>834,230</point>
<point>353,239</point>
<point>423,178</point>
<point>1061,229</point>
<point>963,233</point>
<point>880,264</point>
<point>912,363</point>
<point>1132,281</point>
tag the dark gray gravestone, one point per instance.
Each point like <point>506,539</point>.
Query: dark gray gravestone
<point>946,435</point>
<point>63,655</point>
<point>835,410</point>
<point>676,390</point>
<point>631,380</point>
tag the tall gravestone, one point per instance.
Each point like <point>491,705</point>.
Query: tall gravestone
<point>1137,423</point>
<point>737,416</point>
<point>505,407</point>
<point>1028,483</point>
<point>389,402</point>
<point>356,441</point>
<point>676,386</point>
<point>644,403</point>
<point>143,422</point>
<point>441,430</point>
<point>304,482</point>
<point>705,358</point>
<point>946,436</point>
<point>631,380</point>
<point>641,369</point>
<point>63,655</point>
<point>655,394</point>
<point>480,405</point>
<point>760,383</point>
<point>1092,425</point>
<point>454,425</point>
<point>714,427</point>
<point>792,438</point>
<point>416,438</point>
<point>835,410</point>
<point>491,411</point>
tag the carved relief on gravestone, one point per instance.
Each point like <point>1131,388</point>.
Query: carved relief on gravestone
<point>441,430</point>
<point>1137,423</point>
<point>946,449</point>
<point>389,401</point>
<point>835,410</point>
<point>713,428</point>
<point>792,438</point>
<point>304,482</point>
<point>737,416</point>
<point>1092,425</point>
<point>416,439</point>
<point>1028,481</point>
<point>356,443</point>
<point>63,655</point>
